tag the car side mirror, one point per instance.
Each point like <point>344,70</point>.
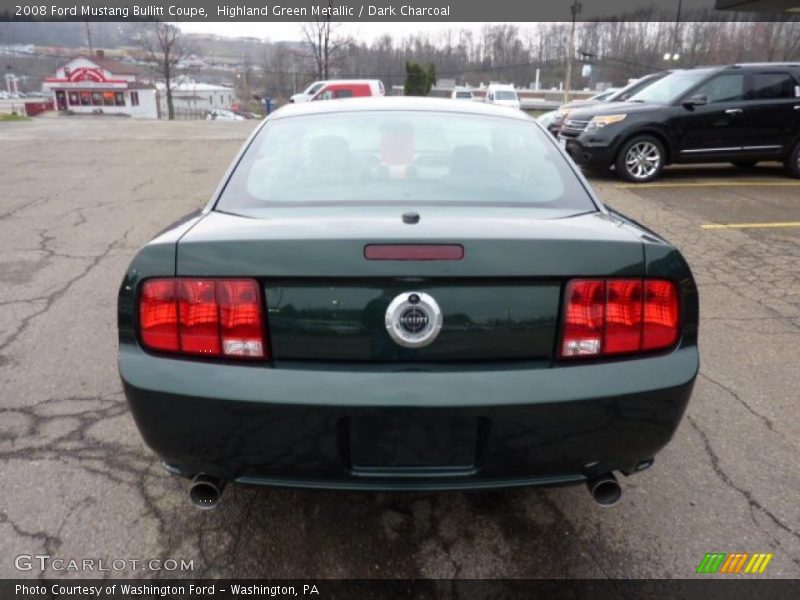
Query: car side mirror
<point>697,100</point>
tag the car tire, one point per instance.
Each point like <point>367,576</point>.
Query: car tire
<point>792,163</point>
<point>640,159</point>
<point>744,164</point>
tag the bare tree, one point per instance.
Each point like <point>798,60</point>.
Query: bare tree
<point>324,41</point>
<point>164,45</point>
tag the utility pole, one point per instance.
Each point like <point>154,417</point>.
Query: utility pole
<point>89,38</point>
<point>674,55</point>
<point>574,9</point>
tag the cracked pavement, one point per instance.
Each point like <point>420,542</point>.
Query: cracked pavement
<point>79,196</point>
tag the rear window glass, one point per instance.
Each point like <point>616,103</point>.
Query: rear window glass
<point>402,157</point>
<point>501,95</point>
<point>773,86</point>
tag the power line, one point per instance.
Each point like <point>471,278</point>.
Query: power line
<point>479,69</point>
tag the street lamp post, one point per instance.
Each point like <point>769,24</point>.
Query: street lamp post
<point>575,9</point>
<point>674,56</point>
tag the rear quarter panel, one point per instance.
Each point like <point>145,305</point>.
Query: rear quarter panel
<point>157,259</point>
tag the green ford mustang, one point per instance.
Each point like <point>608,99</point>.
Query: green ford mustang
<point>406,294</point>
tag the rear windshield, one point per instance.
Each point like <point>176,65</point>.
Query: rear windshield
<point>399,157</point>
<point>503,95</point>
<point>463,94</point>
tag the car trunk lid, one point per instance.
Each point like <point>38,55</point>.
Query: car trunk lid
<point>327,301</point>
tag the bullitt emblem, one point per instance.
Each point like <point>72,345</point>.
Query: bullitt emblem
<point>413,319</point>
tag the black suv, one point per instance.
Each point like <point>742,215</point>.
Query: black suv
<point>620,95</point>
<point>738,113</point>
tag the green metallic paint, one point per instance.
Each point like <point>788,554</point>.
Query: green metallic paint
<point>344,319</point>
<point>156,259</point>
<point>510,243</point>
<point>407,385</point>
<point>286,422</point>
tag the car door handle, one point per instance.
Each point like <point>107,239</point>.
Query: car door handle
<point>734,111</point>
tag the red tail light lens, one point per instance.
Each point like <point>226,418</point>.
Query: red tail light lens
<point>208,317</point>
<point>660,315</point>
<point>604,317</point>
<point>158,315</point>
<point>623,316</point>
<point>198,316</point>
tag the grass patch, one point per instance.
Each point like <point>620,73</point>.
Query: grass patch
<point>535,112</point>
<point>10,117</point>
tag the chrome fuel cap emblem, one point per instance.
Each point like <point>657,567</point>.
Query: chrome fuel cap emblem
<point>413,319</point>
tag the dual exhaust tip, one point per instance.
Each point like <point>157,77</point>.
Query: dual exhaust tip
<point>605,489</point>
<point>205,491</point>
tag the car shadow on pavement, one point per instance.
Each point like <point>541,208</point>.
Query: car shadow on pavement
<point>279,533</point>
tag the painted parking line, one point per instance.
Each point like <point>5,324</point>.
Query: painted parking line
<point>687,184</point>
<point>750,225</point>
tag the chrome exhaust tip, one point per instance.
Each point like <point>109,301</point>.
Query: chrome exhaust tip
<point>205,491</point>
<point>605,489</point>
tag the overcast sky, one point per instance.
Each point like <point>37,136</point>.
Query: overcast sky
<point>291,31</point>
<point>398,29</point>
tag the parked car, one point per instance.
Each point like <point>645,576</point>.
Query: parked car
<point>502,95</point>
<point>219,114</point>
<point>337,89</point>
<point>360,308</point>
<point>741,114</point>
<point>618,95</point>
<point>461,93</point>
<point>307,93</point>
<point>546,119</point>
<point>601,96</point>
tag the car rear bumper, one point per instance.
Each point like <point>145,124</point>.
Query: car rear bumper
<point>293,425</point>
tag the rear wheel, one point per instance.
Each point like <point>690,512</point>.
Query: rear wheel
<point>745,164</point>
<point>792,163</point>
<point>640,159</point>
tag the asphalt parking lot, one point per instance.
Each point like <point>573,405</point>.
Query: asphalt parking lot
<point>78,197</point>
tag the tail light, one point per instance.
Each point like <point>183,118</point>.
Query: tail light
<point>604,317</point>
<point>205,317</point>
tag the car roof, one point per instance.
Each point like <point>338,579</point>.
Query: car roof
<point>761,65</point>
<point>752,65</point>
<point>349,81</point>
<point>374,103</point>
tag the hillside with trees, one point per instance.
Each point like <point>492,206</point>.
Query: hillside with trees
<point>618,51</point>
